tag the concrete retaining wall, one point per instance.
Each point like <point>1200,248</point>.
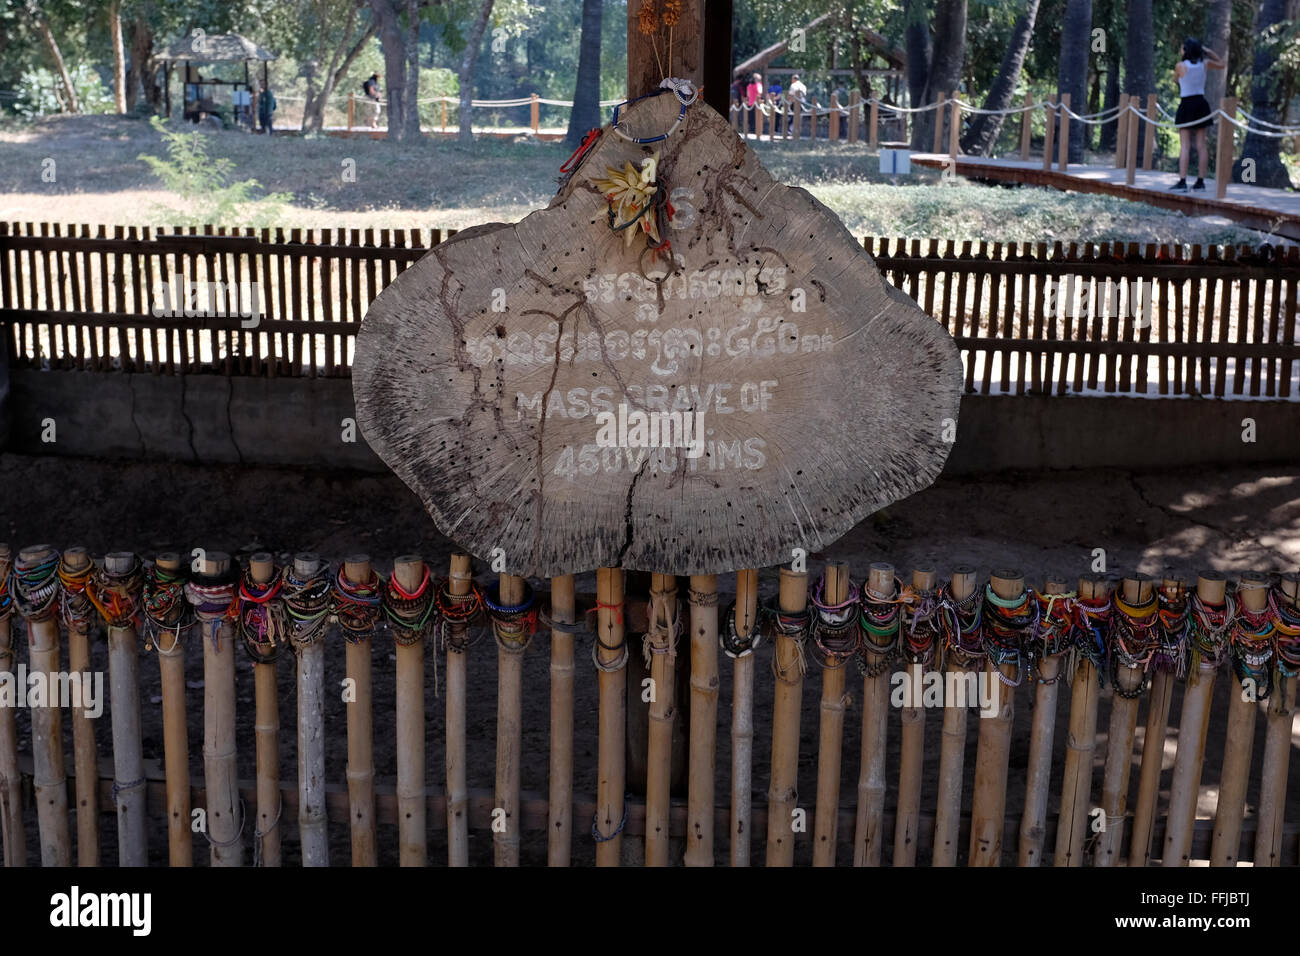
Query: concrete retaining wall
<point>303,422</point>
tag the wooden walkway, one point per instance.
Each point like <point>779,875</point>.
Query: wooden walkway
<point>1269,210</point>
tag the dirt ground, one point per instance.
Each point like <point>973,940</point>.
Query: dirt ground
<point>1231,519</point>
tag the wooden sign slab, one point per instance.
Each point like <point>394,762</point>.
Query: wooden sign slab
<point>524,379</point>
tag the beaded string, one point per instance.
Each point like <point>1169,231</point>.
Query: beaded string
<point>1208,633</point>
<point>1134,640</point>
<point>1286,628</point>
<point>306,604</point>
<point>1006,622</point>
<point>409,613</point>
<point>1054,634</point>
<point>213,599</point>
<point>74,605</point>
<point>455,613</point>
<point>35,587</point>
<point>960,624</point>
<point>1174,618</point>
<point>1093,617</point>
<point>834,630</point>
<point>879,623</point>
<point>165,607</point>
<point>355,605</point>
<point>1250,645</point>
<point>921,627</point>
<point>261,616</point>
<point>512,624</point>
<point>116,595</point>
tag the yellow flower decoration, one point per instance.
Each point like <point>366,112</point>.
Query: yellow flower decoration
<point>629,190</point>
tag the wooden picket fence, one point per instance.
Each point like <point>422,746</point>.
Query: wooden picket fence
<point>1030,318</point>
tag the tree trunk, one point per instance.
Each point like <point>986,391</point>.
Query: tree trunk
<point>119,56</point>
<point>1072,71</point>
<point>1218,31</point>
<point>1110,129</point>
<point>585,114</point>
<point>314,116</point>
<point>983,131</point>
<point>139,76</point>
<point>466,73</point>
<point>43,27</point>
<point>412,104</point>
<point>1139,69</point>
<point>945,68</point>
<point>1261,155</point>
<point>394,46</point>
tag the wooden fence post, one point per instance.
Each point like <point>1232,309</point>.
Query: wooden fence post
<point>534,113</point>
<point>879,590</point>
<point>833,124</point>
<point>1063,135</point>
<point>855,114</point>
<point>560,772</point>
<point>311,586</point>
<point>357,586</point>
<point>1225,148</point>
<point>1121,131</point>
<point>1026,127</point>
<point>119,594</point>
<point>744,623</point>
<point>704,719</point>
<point>167,579</point>
<point>1131,142</point>
<point>460,591</point>
<point>836,590</point>
<point>988,807</point>
<point>952,752</point>
<point>940,102</point>
<point>610,654</point>
<point>412,576</point>
<point>1149,134</point>
<point>1049,137</point>
<point>1281,729</point>
<point>263,588</point>
<point>444,115</point>
<point>211,591</point>
<point>1057,611</point>
<point>798,119</point>
<point>1211,598</point>
<point>1239,743</point>
<point>77,613</point>
<point>11,793</point>
<point>954,130</point>
<point>813,116</point>
<point>512,640</point>
<point>1081,744</point>
<point>912,731</point>
<point>788,667</point>
<point>873,124</point>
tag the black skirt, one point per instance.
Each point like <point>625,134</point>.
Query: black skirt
<point>1192,109</point>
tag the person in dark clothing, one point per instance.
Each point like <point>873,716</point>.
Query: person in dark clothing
<point>1194,114</point>
<point>371,90</point>
<point>266,107</point>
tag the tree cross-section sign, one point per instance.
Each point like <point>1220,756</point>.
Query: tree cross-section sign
<point>679,365</point>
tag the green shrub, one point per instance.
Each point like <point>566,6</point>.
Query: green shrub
<point>40,92</point>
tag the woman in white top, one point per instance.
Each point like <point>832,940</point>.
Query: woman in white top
<point>1193,109</point>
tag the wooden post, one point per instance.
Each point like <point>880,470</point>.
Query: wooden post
<point>797,107</point>
<point>938,123</point>
<point>1038,774</point>
<point>11,793</point>
<point>49,777</point>
<point>1239,743</point>
<point>1121,131</point>
<point>661,642</point>
<point>1136,591</point>
<point>954,129</point>
<point>1081,743</point>
<point>444,114</point>
<point>745,620</point>
<point>1131,142</point>
<point>1211,590</point>
<point>704,719</point>
<point>266,703</point>
<point>512,639</point>
<point>459,584</point>
<point>312,822</point>
<point>360,720</point>
<point>1225,148</point>
<point>788,667</point>
<point>534,113</point>
<point>1049,137</point>
<point>1149,134</point>
<point>610,653</point>
<point>352,110</point>
<point>873,124</point>
<point>834,697</point>
<point>77,611</point>
<point>1063,136</point>
<point>855,114</point>
<point>988,807</point>
<point>813,116</point>
<point>410,574</point>
<point>1173,596</point>
<point>560,775</point>
<point>833,126</point>
<point>912,750</point>
<point>1026,127</point>
<point>176,741</point>
<point>952,753</point>
<point>1280,731</point>
<point>211,592</point>
<point>869,833</point>
<point>121,573</point>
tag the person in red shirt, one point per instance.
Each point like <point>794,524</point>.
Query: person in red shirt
<point>754,92</point>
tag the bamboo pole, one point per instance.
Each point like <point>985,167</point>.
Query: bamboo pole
<point>510,691</point>
<point>1038,773</point>
<point>869,833</point>
<point>834,698</point>
<point>219,763</point>
<point>610,654</point>
<point>49,777</point>
<point>1081,744</point>
<point>128,756</point>
<point>912,750</point>
<point>361,735</point>
<point>76,563</point>
<point>1281,729</point>
<point>1049,138</point>
<point>412,803</point>
<point>459,584</point>
<point>989,804</point>
<point>1026,127</point>
<point>1238,747</point>
<point>788,667</point>
<point>952,751</point>
<point>742,716</point>
<point>1211,588</point>
<point>661,642</point>
<point>313,826</point>
<point>11,794</point>
<point>704,720</point>
<point>176,742</point>
<point>560,773</point>
<point>266,729</point>
<point>1153,746</point>
<point>1121,131</point>
<point>1136,590</point>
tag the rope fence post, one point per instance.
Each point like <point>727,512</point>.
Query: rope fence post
<point>836,591</point>
<point>460,584</point>
<point>444,116</point>
<point>357,580</point>
<point>168,611</point>
<point>262,588</point>
<point>912,730</point>
<point>833,119</point>
<point>1212,612</point>
<point>1063,135</point>
<point>119,595</point>
<point>954,129</point>
<point>1282,724</point>
<point>412,576</point>
<point>77,612</point>
<point>660,645</point>
<point>1049,137</point>
<point>1121,131</point>
<point>307,601</point>
<point>742,637</point>
<point>952,750</point>
<point>560,802</point>
<point>610,653</point>
<point>534,113</point>
<point>788,667</point>
<point>1131,141</point>
<point>512,636</point>
<point>1250,656</point>
<point>1026,127</point>
<point>1149,134</point>
<point>704,720</point>
<point>939,103</point>
<point>1224,147</point>
<point>798,119</point>
<point>873,125</point>
<point>880,637</point>
<point>1081,742</point>
<point>855,114</point>
<point>11,793</point>
<point>1056,611</point>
